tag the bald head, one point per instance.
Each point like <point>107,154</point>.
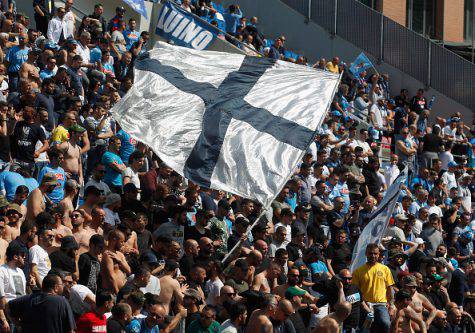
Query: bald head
<point>261,246</point>
<point>190,245</point>
<point>255,258</point>
<point>285,306</point>
<point>343,309</point>
<point>204,240</point>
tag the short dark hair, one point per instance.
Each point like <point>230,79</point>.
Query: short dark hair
<point>236,309</point>
<point>92,190</point>
<point>27,226</point>
<point>22,189</point>
<point>136,155</point>
<point>49,282</point>
<point>103,296</point>
<point>14,249</point>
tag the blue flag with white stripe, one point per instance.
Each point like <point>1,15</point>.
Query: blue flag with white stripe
<point>226,121</point>
<point>138,6</point>
<point>360,64</point>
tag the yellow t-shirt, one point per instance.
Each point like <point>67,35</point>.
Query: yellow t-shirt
<point>60,134</point>
<point>373,282</point>
<point>332,68</point>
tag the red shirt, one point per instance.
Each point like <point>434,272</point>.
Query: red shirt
<point>91,322</point>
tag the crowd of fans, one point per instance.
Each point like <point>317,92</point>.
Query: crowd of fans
<point>99,235</point>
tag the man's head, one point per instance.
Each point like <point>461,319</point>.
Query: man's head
<point>403,299</point>
<point>409,283</point>
<point>52,284</point>
<point>454,316</point>
<point>142,277</point>
<point>284,310</point>
<point>116,239</point>
<point>198,274</point>
<point>45,237</point>
<point>156,314</point>
<point>15,255</point>
<point>122,312</point>
<point>28,231</point>
<point>372,253</point>
<point>77,218</point>
<point>238,313</point>
<point>207,316</point>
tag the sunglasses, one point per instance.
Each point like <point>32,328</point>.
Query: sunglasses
<point>346,278</point>
<point>75,216</point>
<point>230,294</point>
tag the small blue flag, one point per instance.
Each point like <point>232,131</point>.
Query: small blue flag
<point>360,64</point>
<point>138,6</point>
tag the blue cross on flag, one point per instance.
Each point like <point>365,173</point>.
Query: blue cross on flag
<point>138,6</point>
<point>226,121</point>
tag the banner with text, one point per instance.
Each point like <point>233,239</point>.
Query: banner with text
<point>184,29</point>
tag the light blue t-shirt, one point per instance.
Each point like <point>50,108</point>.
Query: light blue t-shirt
<point>318,267</point>
<point>127,145</point>
<point>112,176</point>
<point>16,57</point>
<point>46,73</point>
<point>9,181</point>
<point>31,183</point>
<point>130,36</point>
<point>58,193</point>
<point>139,326</point>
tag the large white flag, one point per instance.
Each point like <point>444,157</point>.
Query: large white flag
<point>376,228</point>
<point>226,121</point>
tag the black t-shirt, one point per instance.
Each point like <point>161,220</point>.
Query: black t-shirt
<point>432,143</point>
<point>372,181</point>
<point>316,233</point>
<point>193,233</point>
<point>24,139</point>
<point>60,260</point>
<point>43,313</point>
<point>4,148</point>
<point>340,255</point>
<point>458,287</point>
<point>89,271</point>
<point>113,326</point>
<point>295,251</point>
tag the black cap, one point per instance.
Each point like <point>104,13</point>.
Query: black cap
<point>297,230</point>
<point>148,258</point>
<point>223,203</point>
<point>120,9</point>
<point>242,221</point>
<point>304,208</point>
<point>261,226</point>
<point>128,214</point>
<point>130,187</point>
<point>69,242</point>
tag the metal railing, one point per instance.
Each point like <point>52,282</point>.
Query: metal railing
<point>394,44</point>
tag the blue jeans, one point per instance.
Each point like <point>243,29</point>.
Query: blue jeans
<point>382,321</point>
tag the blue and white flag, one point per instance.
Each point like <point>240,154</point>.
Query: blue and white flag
<point>360,64</point>
<point>138,6</point>
<point>184,29</point>
<point>226,121</point>
<point>376,228</point>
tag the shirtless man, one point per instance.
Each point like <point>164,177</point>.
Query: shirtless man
<point>12,229</point>
<point>419,302</point>
<point>72,163</point>
<point>71,189</point>
<point>332,322</point>
<point>81,234</point>
<point>29,71</point>
<point>95,225</point>
<point>169,287</point>
<point>114,267</point>
<point>37,199</point>
<point>267,280</point>
<point>405,315</point>
<point>3,242</point>
<point>21,194</point>
<point>259,320</point>
<point>92,197</point>
<point>58,228</point>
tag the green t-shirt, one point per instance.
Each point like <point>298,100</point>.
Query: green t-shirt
<point>195,327</point>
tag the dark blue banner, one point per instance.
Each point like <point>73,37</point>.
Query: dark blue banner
<point>183,28</point>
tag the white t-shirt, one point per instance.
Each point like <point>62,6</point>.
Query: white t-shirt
<point>228,327</point>
<point>12,282</point>
<point>111,217</point>
<point>445,158</point>
<point>435,210</point>
<point>212,289</point>
<point>449,179</point>
<point>134,178</point>
<point>40,258</point>
<point>77,298</point>
<point>152,287</point>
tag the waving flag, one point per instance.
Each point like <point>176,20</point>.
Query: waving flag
<point>360,64</point>
<point>138,6</point>
<point>226,121</point>
<point>376,228</point>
